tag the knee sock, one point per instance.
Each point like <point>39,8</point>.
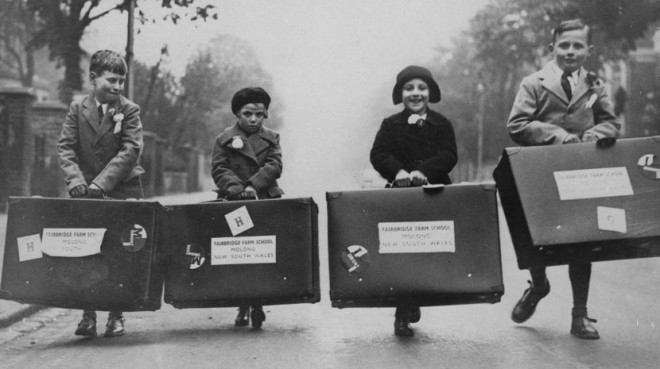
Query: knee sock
<point>538,276</point>
<point>580,275</point>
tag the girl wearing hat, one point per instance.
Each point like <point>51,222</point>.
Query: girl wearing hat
<point>414,147</point>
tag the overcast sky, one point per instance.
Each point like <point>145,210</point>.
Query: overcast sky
<point>327,58</point>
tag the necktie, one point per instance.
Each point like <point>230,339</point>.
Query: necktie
<point>566,85</point>
<point>100,115</point>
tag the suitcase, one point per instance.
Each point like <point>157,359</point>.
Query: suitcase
<point>84,254</point>
<point>431,246</point>
<point>243,252</point>
<point>582,202</point>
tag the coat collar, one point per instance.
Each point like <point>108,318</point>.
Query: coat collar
<point>550,77</point>
<point>251,147</point>
<point>90,112</point>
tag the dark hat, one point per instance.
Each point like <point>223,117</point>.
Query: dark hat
<point>411,72</point>
<point>249,95</point>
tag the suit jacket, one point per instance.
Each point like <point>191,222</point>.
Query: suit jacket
<point>543,115</point>
<point>90,152</point>
<point>431,149</point>
<point>258,162</point>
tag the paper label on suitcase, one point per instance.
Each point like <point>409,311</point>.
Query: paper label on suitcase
<point>416,237</point>
<point>593,183</point>
<point>243,250</point>
<point>611,219</point>
<point>29,247</point>
<point>239,221</point>
<point>72,242</point>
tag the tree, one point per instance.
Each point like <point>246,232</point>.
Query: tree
<point>508,39</point>
<point>212,77</point>
<point>63,24</point>
<point>16,48</point>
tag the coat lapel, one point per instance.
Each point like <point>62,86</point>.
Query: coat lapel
<point>581,88</point>
<point>247,149</point>
<point>90,112</point>
<point>551,81</point>
<point>107,122</point>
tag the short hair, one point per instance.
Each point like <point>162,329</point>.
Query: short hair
<point>109,60</point>
<point>571,25</point>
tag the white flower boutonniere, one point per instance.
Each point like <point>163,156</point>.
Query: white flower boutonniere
<point>237,142</point>
<point>117,118</point>
<point>591,101</point>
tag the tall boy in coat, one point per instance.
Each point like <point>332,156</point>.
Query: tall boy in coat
<point>99,148</point>
<point>562,104</point>
<point>246,163</point>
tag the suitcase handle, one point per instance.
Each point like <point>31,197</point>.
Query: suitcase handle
<point>605,142</point>
<point>433,188</point>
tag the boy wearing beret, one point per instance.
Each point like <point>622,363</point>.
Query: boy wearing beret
<point>246,163</point>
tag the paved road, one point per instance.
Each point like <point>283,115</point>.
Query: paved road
<point>625,299</point>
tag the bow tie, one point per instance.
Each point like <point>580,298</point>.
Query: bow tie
<point>417,119</point>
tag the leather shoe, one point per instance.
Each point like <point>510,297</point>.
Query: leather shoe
<point>526,306</point>
<point>414,314</point>
<point>243,317</point>
<point>402,328</point>
<point>115,326</point>
<point>258,316</point>
<point>581,328</point>
<point>86,327</point>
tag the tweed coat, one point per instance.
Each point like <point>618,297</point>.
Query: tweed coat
<point>105,154</point>
<point>543,115</point>
<point>258,162</point>
<point>430,149</point>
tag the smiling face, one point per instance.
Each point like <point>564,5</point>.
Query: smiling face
<point>251,117</point>
<point>107,86</point>
<point>571,49</point>
<point>415,96</point>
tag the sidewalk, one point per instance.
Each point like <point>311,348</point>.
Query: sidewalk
<point>11,311</point>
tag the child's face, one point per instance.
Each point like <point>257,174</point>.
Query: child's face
<point>571,49</point>
<point>107,86</point>
<point>251,117</point>
<point>415,95</point>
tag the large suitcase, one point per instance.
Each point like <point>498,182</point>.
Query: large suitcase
<point>582,202</point>
<point>84,254</point>
<point>433,246</point>
<point>243,252</point>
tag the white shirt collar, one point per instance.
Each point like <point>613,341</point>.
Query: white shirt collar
<point>572,78</point>
<point>103,106</point>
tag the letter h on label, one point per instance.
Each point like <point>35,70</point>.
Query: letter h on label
<point>239,222</point>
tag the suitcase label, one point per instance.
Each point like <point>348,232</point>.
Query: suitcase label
<point>611,219</point>
<point>243,250</point>
<point>416,237</point>
<point>29,247</point>
<point>72,242</point>
<point>593,183</point>
<point>239,221</point>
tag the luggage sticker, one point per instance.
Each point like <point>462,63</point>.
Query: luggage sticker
<point>195,255</point>
<point>243,250</point>
<point>72,242</point>
<point>355,259</point>
<point>29,247</point>
<point>593,183</point>
<point>416,237</point>
<point>134,238</point>
<point>239,221</point>
<point>611,219</point>
<point>649,165</point>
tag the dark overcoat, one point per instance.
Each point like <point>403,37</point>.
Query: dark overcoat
<point>430,148</point>
<point>256,161</point>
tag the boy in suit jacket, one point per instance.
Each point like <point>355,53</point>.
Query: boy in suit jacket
<point>246,163</point>
<point>561,104</point>
<point>99,148</point>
